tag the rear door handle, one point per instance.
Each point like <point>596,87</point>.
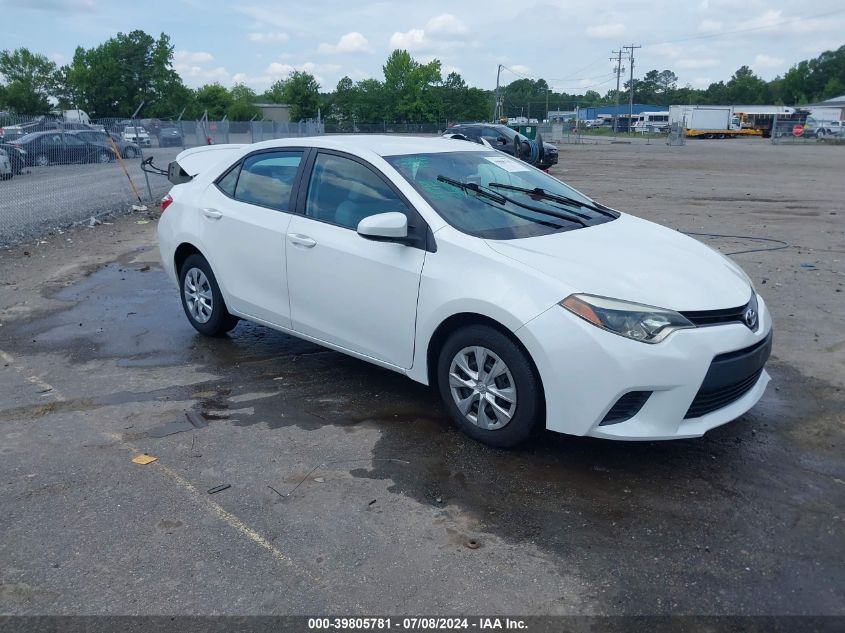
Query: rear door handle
<point>298,239</point>
<point>212,214</point>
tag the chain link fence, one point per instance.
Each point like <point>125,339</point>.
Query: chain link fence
<point>809,131</point>
<point>57,173</point>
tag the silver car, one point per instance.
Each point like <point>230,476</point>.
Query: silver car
<point>5,166</point>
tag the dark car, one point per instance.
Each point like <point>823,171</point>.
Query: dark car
<point>17,156</point>
<point>169,136</point>
<point>52,148</point>
<point>502,137</point>
<point>126,149</point>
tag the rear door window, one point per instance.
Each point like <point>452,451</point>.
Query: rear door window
<point>267,179</point>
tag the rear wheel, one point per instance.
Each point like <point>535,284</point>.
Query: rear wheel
<point>201,298</point>
<point>130,152</point>
<point>489,386</point>
<point>104,157</point>
<point>42,160</point>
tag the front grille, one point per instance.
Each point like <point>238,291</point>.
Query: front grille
<point>703,318</point>
<point>708,401</point>
<point>626,407</point>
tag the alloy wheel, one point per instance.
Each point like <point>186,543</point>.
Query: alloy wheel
<point>198,295</point>
<point>482,387</point>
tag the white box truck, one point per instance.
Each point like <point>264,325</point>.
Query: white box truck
<point>713,122</point>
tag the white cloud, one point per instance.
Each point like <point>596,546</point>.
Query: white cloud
<point>445,26</point>
<point>189,57</point>
<point>266,17</point>
<point>522,69</point>
<point>440,33</point>
<point>693,63</point>
<point>413,40</point>
<point>766,61</point>
<point>197,75</point>
<point>62,6</point>
<point>606,30</point>
<point>352,42</point>
<point>709,26</point>
<point>267,37</point>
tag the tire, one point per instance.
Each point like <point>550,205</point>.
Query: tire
<point>130,152</point>
<point>821,133</point>
<point>42,160</point>
<point>506,421</point>
<point>213,320</point>
<point>104,157</point>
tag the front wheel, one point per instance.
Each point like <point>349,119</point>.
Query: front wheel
<point>130,152</point>
<point>42,160</point>
<point>489,386</point>
<point>201,298</point>
<point>104,157</point>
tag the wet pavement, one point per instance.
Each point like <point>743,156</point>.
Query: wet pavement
<point>350,492</point>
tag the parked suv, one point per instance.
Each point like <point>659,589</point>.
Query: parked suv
<point>501,137</point>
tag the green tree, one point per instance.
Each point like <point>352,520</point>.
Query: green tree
<point>30,79</point>
<point>112,79</point>
<point>243,106</point>
<point>302,93</point>
<point>275,93</point>
<point>213,99</point>
<point>408,86</point>
<point>746,87</point>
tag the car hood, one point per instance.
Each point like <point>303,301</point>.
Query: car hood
<point>634,260</point>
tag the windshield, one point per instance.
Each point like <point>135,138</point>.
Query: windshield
<point>502,215</point>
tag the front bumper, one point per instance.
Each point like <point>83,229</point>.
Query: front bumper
<point>585,370</point>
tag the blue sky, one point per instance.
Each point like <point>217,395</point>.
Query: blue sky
<point>566,42</point>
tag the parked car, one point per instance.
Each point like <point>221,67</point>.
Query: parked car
<point>5,166</point>
<point>17,156</point>
<point>502,138</point>
<point>169,136</point>
<point>524,302</point>
<point>830,128</point>
<point>136,134</point>
<point>49,148</point>
<point>126,149</point>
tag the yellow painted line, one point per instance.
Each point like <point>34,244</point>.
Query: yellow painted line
<point>200,497</point>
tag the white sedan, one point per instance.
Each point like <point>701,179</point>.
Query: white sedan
<point>525,303</point>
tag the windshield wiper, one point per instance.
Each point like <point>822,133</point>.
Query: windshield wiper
<point>474,187</point>
<point>542,193</point>
<point>570,216</point>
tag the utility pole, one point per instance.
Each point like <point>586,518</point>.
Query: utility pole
<point>547,103</point>
<point>618,71</point>
<point>631,82</point>
<point>497,112</point>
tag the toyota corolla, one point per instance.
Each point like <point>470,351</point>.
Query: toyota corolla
<point>525,303</point>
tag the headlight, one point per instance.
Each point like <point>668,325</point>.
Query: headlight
<point>631,320</point>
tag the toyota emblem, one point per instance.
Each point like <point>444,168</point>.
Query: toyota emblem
<point>751,318</point>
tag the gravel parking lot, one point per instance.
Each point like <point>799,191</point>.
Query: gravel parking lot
<point>349,490</point>
<point>45,198</point>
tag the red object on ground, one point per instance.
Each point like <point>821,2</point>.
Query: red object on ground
<point>798,130</point>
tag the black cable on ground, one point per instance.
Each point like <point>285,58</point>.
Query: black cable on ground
<point>781,243</point>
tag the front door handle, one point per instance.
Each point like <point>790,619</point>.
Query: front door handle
<point>298,239</point>
<point>212,214</point>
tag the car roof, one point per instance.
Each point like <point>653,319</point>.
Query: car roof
<point>379,144</point>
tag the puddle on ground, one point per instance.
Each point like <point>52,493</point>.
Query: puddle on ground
<point>761,496</point>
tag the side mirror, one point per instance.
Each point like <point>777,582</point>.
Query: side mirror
<point>502,140</point>
<point>385,227</point>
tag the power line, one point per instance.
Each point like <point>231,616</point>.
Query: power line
<point>749,29</point>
